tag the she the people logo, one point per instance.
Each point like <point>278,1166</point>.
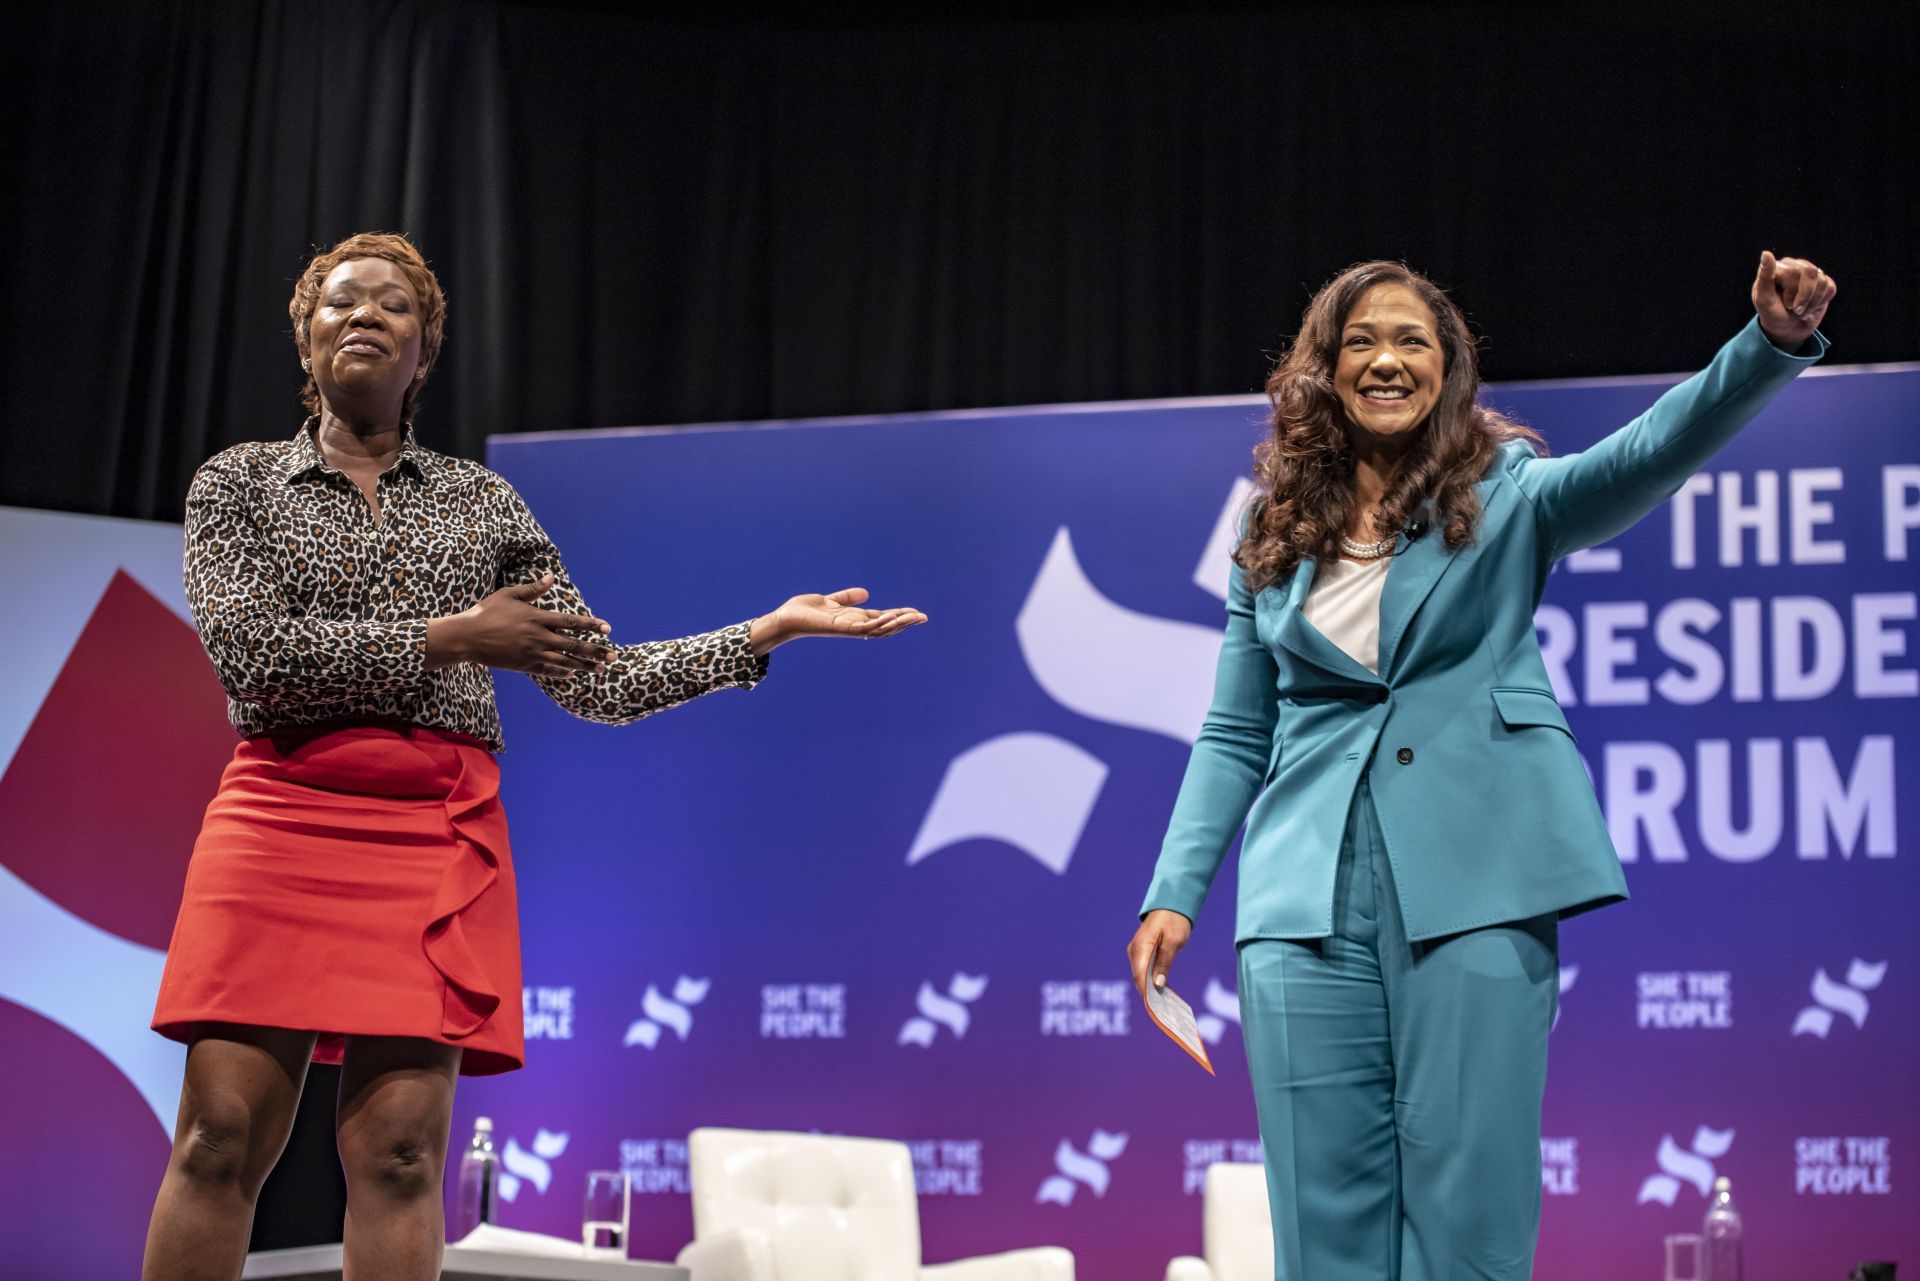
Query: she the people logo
<point>1677,1165</point>
<point>1832,998</point>
<point>1076,1168</point>
<point>662,1012</point>
<point>521,1166</point>
<point>937,1011</point>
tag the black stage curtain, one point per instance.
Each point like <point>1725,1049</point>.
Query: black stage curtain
<point>706,214</point>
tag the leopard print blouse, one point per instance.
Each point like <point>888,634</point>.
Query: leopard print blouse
<point>312,611</point>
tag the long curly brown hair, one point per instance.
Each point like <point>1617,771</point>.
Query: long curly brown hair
<point>1304,470</point>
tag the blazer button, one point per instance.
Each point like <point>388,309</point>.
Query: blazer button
<point>1404,756</point>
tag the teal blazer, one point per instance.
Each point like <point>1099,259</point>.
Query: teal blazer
<point>1486,808</point>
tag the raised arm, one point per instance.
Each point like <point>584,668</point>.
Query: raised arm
<point>262,650</point>
<point>1586,498</point>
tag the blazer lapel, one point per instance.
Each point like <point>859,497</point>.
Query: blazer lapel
<point>1302,582</point>
<point>1417,565</point>
<point>1420,564</point>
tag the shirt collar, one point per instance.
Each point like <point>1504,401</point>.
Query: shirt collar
<point>304,456</point>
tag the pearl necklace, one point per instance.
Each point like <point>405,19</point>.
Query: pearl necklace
<point>1366,551</point>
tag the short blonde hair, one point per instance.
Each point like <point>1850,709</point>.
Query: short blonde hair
<point>426,287</point>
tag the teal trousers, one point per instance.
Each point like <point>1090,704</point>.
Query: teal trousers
<point>1398,1085</point>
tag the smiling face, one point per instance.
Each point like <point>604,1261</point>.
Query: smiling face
<point>364,338</point>
<point>1391,368</point>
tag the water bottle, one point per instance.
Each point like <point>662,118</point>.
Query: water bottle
<point>1720,1244</point>
<point>479,1166</point>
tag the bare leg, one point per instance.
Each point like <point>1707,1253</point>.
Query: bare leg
<point>236,1109</point>
<point>396,1104</point>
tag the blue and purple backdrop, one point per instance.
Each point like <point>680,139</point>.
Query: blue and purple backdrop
<point>887,892</point>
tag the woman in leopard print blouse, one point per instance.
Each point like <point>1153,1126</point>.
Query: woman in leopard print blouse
<point>351,896</point>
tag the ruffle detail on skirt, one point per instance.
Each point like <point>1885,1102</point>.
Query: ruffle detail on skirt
<point>471,997</point>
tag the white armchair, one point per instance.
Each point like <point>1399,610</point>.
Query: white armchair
<point>769,1206</point>
<point>1238,1232</point>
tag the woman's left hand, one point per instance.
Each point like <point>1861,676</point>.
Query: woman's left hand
<point>1791,296</point>
<point>837,614</point>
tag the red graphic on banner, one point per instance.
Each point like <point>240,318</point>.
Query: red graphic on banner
<point>103,799</point>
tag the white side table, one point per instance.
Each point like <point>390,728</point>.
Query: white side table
<point>322,1263</point>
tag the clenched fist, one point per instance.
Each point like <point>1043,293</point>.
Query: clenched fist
<point>1790,296</point>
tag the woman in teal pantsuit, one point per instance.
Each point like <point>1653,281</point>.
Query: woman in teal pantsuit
<point>1417,817</point>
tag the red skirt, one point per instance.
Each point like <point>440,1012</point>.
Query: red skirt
<point>353,881</point>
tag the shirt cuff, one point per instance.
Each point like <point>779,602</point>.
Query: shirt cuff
<point>1809,351</point>
<point>742,666</point>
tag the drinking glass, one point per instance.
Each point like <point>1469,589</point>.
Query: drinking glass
<point>603,1225</point>
<point>1683,1257</point>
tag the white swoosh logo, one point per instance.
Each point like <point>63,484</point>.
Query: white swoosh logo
<point>532,1166</point>
<point>1033,791</point>
<point>1685,1165</point>
<point>1083,1169</point>
<point>945,1011</point>
<point>666,1013</point>
<point>1813,1019</point>
<point>1864,976</point>
<point>967,987</point>
<point>97,985</point>
<point>949,1011</point>
<point>1056,1190</point>
<point>1659,1187</point>
<point>1839,999</point>
<point>1711,1143</point>
<point>1089,1168</point>
<point>1214,573</point>
<point>1111,663</point>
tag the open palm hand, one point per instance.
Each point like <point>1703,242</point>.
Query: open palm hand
<point>841,613</point>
